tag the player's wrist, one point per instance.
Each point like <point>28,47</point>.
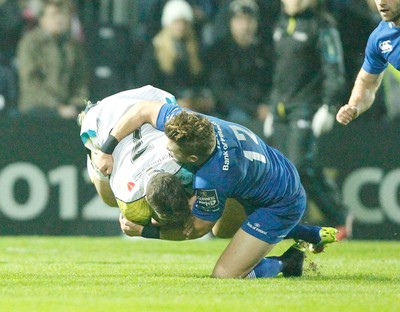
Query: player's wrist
<point>109,145</point>
<point>356,112</point>
<point>151,231</point>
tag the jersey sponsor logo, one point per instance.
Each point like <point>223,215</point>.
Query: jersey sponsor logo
<point>386,46</point>
<point>224,146</point>
<point>207,200</point>
<point>256,227</point>
<point>130,185</point>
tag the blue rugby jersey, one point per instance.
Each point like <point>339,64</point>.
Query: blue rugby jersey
<point>383,47</point>
<point>241,167</point>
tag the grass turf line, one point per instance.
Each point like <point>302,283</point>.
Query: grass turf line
<point>113,274</point>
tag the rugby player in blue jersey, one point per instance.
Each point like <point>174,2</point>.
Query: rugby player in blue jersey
<point>228,161</point>
<point>383,48</point>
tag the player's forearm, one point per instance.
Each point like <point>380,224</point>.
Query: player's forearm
<point>165,232</point>
<point>361,98</point>
<point>134,118</point>
<point>172,233</point>
<point>363,93</point>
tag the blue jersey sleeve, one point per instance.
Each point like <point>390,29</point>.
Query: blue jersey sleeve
<point>374,62</point>
<point>167,111</point>
<point>209,204</point>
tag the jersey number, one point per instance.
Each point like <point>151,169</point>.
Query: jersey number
<point>240,135</point>
<point>138,148</point>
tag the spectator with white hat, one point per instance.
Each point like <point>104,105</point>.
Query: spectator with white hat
<point>172,60</point>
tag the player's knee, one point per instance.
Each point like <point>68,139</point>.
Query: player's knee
<point>221,271</point>
<point>223,233</point>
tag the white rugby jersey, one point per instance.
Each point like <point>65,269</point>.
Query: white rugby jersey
<point>138,155</point>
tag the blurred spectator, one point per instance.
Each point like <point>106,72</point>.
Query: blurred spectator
<point>31,9</point>
<point>203,13</point>
<point>52,65</point>
<point>172,61</point>
<point>8,88</point>
<point>267,16</point>
<point>11,26</point>
<point>308,84</point>
<point>241,66</point>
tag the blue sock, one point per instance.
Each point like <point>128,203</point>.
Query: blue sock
<point>308,233</point>
<point>267,267</point>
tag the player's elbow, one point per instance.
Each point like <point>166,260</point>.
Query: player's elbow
<point>197,228</point>
<point>196,234</point>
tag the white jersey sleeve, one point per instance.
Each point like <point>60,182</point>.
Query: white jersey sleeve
<point>99,120</point>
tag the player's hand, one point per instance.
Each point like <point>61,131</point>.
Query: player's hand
<point>104,162</point>
<point>129,228</point>
<point>347,114</point>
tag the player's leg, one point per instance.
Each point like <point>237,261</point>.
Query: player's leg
<point>234,215</point>
<point>242,254</point>
<point>256,238</point>
<point>317,236</point>
<point>231,220</point>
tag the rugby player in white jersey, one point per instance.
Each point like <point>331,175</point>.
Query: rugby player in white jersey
<point>137,158</point>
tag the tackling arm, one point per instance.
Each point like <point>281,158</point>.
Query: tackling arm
<point>195,228</point>
<point>134,118</point>
<point>362,97</point>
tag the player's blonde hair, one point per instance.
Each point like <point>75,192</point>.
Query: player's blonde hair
<point>193,133</point>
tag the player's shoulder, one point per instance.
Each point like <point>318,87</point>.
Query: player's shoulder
<point>382,30</point>
<point>379,38</point>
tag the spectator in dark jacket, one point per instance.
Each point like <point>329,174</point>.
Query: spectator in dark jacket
<point>308,84</point>
<point>240,66</point>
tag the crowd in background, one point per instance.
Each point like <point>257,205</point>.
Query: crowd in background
<point>212,57</point>
<point>241,60</point>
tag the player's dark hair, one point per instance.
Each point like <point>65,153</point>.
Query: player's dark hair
<point>193,133</point>
<point>166,195</point>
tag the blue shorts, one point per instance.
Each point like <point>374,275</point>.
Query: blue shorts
<point>272,224</point>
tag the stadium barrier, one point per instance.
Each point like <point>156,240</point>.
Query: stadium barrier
<point>44,186</point>
<point>45,190</point>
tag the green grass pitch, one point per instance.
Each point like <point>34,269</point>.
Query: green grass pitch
<point>115,274</point>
